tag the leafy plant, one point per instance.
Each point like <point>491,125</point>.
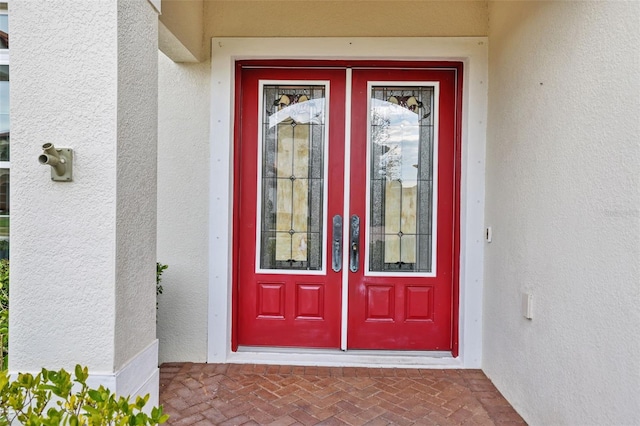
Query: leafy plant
<point>49,399</point>
<point>159,270</point>
<point>4,312</point>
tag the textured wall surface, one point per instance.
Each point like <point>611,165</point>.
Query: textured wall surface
<point>136,178</point>
<point>183,208</point>
<point>564,202</point>
<point>83,252</point>
<point>63,90</point>
<point>185,20</point>
<point>345,18</point>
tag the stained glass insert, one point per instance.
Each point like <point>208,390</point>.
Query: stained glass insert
<point>401,179</point>
<point>292,177</point>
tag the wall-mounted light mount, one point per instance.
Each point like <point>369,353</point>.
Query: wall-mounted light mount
<point>60,160</point>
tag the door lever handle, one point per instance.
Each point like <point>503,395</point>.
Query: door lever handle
<point>354,242</point>
<point>336,244</point>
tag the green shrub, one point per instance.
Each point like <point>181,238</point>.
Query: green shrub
<point>4,312</point>
<point>159,270</point>
<point>49,399</point>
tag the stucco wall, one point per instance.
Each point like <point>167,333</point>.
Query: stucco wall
<point>185,21</point>
<point>63,234</point>
<point>83,252</point>
<point>564,202</point>
<point>183,208</point>
<point>345,18</point>
<point>137,81</point>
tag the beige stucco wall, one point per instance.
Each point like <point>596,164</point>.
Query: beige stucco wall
<point>57,273</point>
<point>83,252</point>
<point>183,208</point>
<point>137,134</point>
<point>345,18</point>
<point>563,199</point>
<point>182,22</point>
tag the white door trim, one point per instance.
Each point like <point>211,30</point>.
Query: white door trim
<point>346,208</point>
<point>473,52</point>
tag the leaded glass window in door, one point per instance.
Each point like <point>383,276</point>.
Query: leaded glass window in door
<point>401,179</point>
<point>292,177</point>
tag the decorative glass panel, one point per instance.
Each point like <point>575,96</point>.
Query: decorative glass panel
<point>401,179</point>
<point>292,178</point>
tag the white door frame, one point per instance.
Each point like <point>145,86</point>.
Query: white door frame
<point>473,52</point>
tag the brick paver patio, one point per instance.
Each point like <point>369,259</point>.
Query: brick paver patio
<point>230,394</point>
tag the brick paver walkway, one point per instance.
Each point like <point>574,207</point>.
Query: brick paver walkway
<point>230,394</point>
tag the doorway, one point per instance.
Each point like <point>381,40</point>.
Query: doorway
<point>346,206</point>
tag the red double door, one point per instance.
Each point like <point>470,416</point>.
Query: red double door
<point>346,207</point>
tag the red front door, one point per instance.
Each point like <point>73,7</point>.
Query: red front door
<point>346,193</point>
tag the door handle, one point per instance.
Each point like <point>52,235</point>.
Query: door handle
<point>354,243</point>
<point>336,244</point>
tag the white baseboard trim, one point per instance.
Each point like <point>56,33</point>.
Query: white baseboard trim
<point>138,370</point>
<point>138,377</point>
<point>151,387</point>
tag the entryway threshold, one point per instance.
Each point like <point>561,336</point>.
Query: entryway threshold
<point>338,358</point>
